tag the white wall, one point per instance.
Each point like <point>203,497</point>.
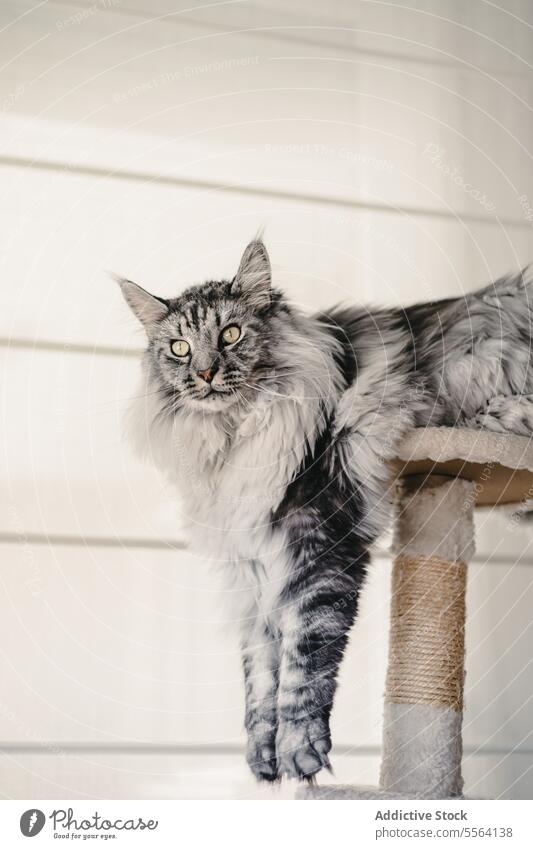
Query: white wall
<point>138,138</point>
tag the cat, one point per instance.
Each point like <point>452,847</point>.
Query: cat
<point>277,427</point>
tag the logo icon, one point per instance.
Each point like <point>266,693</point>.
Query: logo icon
<point>32,822</point>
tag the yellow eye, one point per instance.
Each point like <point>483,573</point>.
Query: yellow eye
<point>180,348</point>
<point>231,334</point>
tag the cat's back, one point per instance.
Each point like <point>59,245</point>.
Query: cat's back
<point>367,338</point>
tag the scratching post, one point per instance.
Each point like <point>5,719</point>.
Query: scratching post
<point>433,541</point>
<point>442,474</point>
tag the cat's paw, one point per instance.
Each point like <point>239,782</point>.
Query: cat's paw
<point>489,420</point>
<point>261,755</point>
<point>302,747</point>
<point>513,414</point>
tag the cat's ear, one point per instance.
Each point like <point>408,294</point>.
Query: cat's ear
<point>148,308</point>
<point>254,277</point>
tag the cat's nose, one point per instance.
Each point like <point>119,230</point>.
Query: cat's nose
<point>207,374</point>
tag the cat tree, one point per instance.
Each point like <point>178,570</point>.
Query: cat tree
<point>442,474</point>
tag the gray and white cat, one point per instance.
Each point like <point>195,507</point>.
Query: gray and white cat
<point>277,427</point>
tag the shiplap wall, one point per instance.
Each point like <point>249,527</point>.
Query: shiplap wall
<point>386,152</point>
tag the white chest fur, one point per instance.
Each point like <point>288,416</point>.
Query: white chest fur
<point>231,478</point>
<point>233,474</point>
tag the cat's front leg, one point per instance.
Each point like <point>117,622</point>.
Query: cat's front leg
<point>316,622</point>
<point>260,657</point>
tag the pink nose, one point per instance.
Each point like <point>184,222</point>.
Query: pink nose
<point>207,374</point>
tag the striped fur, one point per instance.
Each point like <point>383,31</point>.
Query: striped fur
<point>282,459</point>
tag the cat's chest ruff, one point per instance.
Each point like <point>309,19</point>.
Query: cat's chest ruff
<point>252,463</point>
<point>239,481</point>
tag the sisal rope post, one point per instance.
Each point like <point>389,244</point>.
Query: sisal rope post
<point>426,646</point>
<point>434,538</point>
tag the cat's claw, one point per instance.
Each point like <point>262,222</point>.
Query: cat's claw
<point>303,748</point>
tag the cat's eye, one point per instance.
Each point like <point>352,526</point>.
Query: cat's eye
<point>180,347</point>
<point>231,334</point>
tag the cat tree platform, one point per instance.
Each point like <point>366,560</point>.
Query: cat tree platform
<point>442,474</point>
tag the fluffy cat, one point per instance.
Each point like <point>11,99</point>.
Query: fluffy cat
<point>278,426</point>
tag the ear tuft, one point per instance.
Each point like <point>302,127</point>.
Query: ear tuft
<point>148,308</point>
<point>254,277</point>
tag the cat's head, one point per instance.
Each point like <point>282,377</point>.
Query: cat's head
<point>210,347</point>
